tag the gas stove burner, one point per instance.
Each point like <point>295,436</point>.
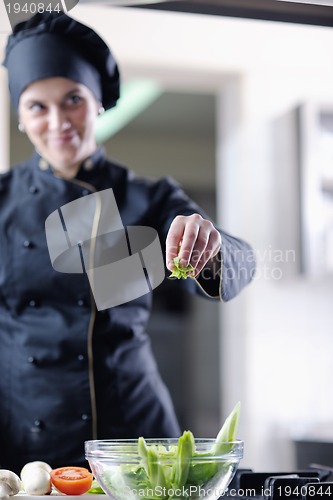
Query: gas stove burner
<point>312,483</point>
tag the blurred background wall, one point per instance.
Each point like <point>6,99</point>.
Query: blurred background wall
<point>239,122</point>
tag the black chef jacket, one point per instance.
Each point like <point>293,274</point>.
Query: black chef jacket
<point>68,372</point>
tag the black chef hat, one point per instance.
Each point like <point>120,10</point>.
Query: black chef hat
<point>54,44</point>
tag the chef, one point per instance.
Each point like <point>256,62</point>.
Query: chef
<point>68,371</point>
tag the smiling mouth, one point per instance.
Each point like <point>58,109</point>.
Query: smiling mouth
<point>63,139</point>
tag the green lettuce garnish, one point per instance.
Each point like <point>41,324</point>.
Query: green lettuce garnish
<point>177,468</point>
<point>181,272</point>
<point>95,488</point>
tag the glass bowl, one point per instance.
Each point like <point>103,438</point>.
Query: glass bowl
<point>160,470</point>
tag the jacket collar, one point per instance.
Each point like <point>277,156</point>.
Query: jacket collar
<point>86,171</point>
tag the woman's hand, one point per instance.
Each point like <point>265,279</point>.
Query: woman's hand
<point>194,239</point>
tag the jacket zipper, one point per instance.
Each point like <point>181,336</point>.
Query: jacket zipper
<point>90,354</point>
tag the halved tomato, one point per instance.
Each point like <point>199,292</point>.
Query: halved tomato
<point>72,480</point>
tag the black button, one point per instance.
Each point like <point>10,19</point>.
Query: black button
<point>81,357</point>
<point>85,417</point>
<point>80,302</point>
<point>33,189</point>
<point>31,359</point>
<point>85,192</point>
<point>27,244</point>
<point>33,303</point>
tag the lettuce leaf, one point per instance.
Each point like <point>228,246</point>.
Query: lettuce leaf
<point>96,489</point>
<point>180,272</point>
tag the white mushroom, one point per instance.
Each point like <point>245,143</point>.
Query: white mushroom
<point>9,483</point>
<point>32,465</point>
<point>36,478</point>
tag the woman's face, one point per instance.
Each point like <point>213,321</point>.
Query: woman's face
<point>59,117</point>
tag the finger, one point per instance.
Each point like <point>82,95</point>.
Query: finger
<point>190,236</point>
<point>200,246</point>
<point>173,240</point>
<point>212,248</point>
<point>206,227</point>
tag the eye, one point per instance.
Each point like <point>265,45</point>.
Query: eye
<point>74,99</point>
<point>37,107</point>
